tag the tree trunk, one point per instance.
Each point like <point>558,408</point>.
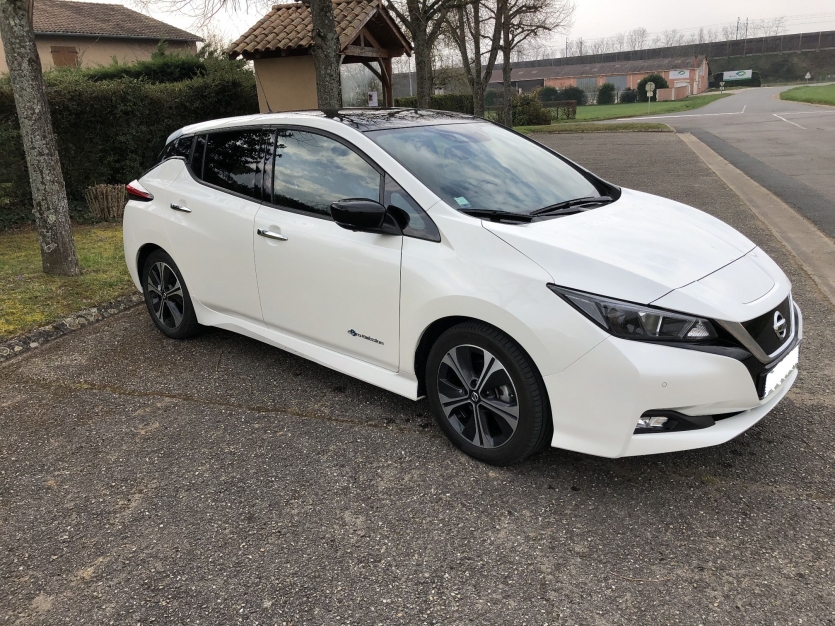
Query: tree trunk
<point>325,55</point>
<point>507,87</point>
<point>423,68</point>
<point>49,196</point>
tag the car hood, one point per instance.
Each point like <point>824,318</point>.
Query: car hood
<point>638,248</point>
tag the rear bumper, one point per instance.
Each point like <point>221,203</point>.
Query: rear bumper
<point>596,402</point>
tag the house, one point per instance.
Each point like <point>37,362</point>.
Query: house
<point>85,34</point>
<point>280,47</point>
<point>689,74</point>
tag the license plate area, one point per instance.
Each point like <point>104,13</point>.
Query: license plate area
<point>774,377</point>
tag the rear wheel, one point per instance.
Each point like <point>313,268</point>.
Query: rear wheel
<point>486,394</point>
<point>167,298</point>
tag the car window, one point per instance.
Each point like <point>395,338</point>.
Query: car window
<point>414,220</point>
<point>313,171</point>
<point>484,166</point>
<point>180,147</point>
<point>234,162</point>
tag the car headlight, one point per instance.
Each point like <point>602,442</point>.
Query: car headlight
<point>636,321</point>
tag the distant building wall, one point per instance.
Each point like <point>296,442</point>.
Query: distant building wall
<point>288,83</point>
<point>56,50</point>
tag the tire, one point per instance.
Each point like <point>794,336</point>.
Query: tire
<point>501,382</point>
<point>167,297</point>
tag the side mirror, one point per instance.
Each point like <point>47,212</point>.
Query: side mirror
<point>366,216</point>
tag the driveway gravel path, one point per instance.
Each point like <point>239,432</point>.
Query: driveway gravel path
<point>221,481</point>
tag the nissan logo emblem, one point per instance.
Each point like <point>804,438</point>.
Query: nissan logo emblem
<point>780,326</point>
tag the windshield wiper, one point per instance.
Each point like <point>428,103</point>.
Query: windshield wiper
<point>497,216</point>
<point>569,204</point>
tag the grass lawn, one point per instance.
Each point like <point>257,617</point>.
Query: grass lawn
<point>824,94</point>
<point>584,127</point>
<point>30,298</point>
<point>595,112</point>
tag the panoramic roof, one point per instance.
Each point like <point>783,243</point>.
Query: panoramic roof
<point>365,120</point>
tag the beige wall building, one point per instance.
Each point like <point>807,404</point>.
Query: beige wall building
<point>87,34</point>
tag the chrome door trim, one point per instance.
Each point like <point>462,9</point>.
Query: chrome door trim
<point>270,234</point>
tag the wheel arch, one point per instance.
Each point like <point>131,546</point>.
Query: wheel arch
<point>142,255</point>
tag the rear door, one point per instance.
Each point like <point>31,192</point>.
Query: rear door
<point>210,220</point>
<point>317,281</point>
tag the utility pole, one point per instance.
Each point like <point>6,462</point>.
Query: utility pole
<point>581,46</point>
<point>737,29</point>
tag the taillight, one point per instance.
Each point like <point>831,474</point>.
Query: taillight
<point>138,192</point>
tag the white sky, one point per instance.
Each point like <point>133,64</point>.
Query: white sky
<point>594,18</point>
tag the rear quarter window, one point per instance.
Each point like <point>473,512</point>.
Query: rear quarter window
<point>180,147</point>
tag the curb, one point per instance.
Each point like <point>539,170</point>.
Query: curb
<point>22,344</point>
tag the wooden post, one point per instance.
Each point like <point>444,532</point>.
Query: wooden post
<point>388,88</point>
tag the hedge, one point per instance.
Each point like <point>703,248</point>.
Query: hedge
<point>458,102</point>
<point>111,131</point>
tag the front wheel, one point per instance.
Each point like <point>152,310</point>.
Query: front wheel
<point>487,395</point>
<point>167,298</point>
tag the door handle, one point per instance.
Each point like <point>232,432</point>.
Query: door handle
<point>270,234</point>
<point>180,207</point>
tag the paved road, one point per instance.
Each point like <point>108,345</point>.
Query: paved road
<point>221,481</point>
<point>787,147</point>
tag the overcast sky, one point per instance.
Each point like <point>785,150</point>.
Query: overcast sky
<point>601,18</point>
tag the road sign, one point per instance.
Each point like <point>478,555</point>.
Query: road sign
<point>650,87</point>
<point>808,76</point>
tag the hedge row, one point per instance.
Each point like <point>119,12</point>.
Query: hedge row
<point>111,131</point>
<point>457,102</point>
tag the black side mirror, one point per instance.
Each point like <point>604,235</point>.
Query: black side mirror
<point>367,216</point>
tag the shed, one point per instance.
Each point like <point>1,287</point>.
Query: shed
<point>280,46</point>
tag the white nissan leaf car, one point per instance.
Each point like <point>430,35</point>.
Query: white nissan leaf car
<point>440,255</point>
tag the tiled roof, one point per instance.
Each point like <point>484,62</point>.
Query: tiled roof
<point>289,26</point>
<point>106,20</point>
<point>615,68</point>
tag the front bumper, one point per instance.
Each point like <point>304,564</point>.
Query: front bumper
<point>596,402</point>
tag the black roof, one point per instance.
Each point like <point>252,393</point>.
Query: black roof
<point>365,120</point>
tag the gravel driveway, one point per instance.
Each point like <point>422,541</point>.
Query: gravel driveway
<point>221,481</point>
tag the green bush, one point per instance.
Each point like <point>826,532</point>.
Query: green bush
<point>660,83</point>
<point>606,94</point>
<point>574,93</point>
<point>628,96</point>
<point>492,97</point>
<point>528,111</point>
<point>548,94</point>
<point>111,131</point>
<point>457,102</point>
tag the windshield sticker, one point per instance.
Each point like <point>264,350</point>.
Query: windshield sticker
<point>462,202</point>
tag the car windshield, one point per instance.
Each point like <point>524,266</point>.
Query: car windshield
<point>483,166</point>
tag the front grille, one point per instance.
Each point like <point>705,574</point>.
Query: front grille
<point>762,329</point>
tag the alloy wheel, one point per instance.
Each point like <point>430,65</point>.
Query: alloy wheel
<point>166,295</point>
<point>478,396</point>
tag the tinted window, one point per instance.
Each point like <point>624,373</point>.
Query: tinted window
<point>414,220</point>
<point>313,171</point>
<point>180,147</point>
<point>233,161</point>
<point>484,166</point>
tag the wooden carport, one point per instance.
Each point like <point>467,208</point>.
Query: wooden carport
<point>280,47</point>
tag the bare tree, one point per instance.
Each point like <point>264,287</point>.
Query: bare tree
<point>49,195</point>
<point>326,54</point>
<point>524,21</point>
<point>424,20</point>
<point>476,30</point>
<point>636,39</point>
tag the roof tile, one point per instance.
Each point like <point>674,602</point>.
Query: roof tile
<point>92,18</point>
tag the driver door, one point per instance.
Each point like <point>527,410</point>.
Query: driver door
<point>317,281</point>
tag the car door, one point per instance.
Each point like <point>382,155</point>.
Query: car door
<point>319,282</point>
<point>211,216</point>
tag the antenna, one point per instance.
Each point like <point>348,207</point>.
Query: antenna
<point>263,91</point>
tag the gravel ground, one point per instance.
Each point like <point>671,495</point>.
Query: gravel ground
<point>220,481</point>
